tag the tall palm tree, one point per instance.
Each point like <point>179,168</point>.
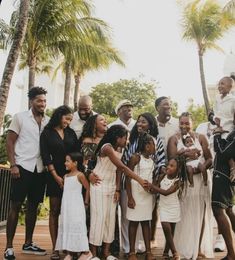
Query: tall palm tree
<point>13,55</point>
<point>205,22</point>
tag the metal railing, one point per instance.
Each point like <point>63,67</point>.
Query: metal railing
<point>5,190</point>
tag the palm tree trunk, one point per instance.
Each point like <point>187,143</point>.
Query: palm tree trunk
<point>203,82</point>
<point>77,79</point>
<point>32,72</point>
<point>68,73</point>
<point>13,56</point>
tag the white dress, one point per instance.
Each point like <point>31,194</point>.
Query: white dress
<point>144,200</point>
<point>188,230</point>
<point>169,206</point>
<point>72,232</point>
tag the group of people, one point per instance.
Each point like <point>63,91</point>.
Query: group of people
<point>156,165</point>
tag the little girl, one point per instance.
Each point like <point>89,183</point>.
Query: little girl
<point>105,194</point>
<point>140,202</point>
<point>72,232</point>
<point>169,205</point>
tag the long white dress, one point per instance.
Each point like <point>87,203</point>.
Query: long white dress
<point>169,206</point>
<point>187,233</point>
<point>144,200</point>
<point>72,232</point>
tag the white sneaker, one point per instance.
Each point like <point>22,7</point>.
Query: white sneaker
<point>219,245</point>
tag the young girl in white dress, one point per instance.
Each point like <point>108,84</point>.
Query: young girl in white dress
<point>72,232</point>
<point>140,201</point>
<point>170,187</point>
<point>105,194</point>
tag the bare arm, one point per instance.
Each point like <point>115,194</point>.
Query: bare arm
<point>172,189</point>
<point>82,178</point>
<point>109,151</point>
<point>206,151</point>
<point>10,146</point>
<point>131,164</point>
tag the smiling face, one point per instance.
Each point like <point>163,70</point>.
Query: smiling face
<point>172,168</point>
<point>69,163</point>
<point>225,86</point>
<point>66,120</point>
<point>38,103</point>
<point>142,125</point>
<point>101,124</point>
<point>125,112</point>
<point>164,108</point>
<point>185,124</point>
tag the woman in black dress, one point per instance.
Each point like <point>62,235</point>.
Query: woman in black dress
<point>57,140</point>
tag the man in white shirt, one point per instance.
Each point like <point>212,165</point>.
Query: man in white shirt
<point>83,113</point>
<point>167,124</point>
<point>124,111</point>
<point>28,179</point>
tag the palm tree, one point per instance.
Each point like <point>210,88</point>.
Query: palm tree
<point>13,56</point>
<point>103,57</point>
<point>92,51</point>
<point>230,6</point>
<point>205,23</point>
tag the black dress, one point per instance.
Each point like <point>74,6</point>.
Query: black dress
<point>53,151</point>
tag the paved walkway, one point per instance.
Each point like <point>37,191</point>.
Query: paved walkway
<point>42,237</point>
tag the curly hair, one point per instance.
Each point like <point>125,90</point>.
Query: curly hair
<point>153,129</point>
<point>35,91</point>
<point>57,115</point>
<point>89,127</point>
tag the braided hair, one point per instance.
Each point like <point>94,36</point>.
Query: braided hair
<point>181,174</point>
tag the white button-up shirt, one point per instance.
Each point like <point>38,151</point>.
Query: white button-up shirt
<point>27,146</point>
<point>170,128</point>
<point>224,108</point>
<point>120,122</point>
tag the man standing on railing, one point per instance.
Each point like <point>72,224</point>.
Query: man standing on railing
<point>26,170</point>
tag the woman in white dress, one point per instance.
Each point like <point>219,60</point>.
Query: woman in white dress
<point>194,233</point>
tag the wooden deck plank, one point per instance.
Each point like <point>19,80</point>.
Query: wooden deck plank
<point>42,238</point>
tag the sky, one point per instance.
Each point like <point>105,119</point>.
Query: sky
<point>149,36</point>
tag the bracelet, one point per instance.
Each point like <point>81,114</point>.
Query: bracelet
<point>13,165</point>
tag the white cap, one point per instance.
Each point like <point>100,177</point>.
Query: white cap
<point>122,103</point>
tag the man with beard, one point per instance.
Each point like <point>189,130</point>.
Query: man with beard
<point>28,179</point>
<point>167,125</point>
<point>124,111</point>
<point>83,113</point>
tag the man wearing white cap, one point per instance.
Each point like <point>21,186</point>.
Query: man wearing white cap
<point>124,111</point>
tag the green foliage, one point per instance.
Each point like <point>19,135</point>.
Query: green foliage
<point>198,113</point>
<point>43,211</point>
<point>3,153</point>
<point>106,96</point>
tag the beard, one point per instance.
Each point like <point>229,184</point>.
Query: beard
<point>85,117</point>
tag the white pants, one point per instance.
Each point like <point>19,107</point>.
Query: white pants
<point>102,224</point>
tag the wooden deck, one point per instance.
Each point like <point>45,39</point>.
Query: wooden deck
<point>42,238</point>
